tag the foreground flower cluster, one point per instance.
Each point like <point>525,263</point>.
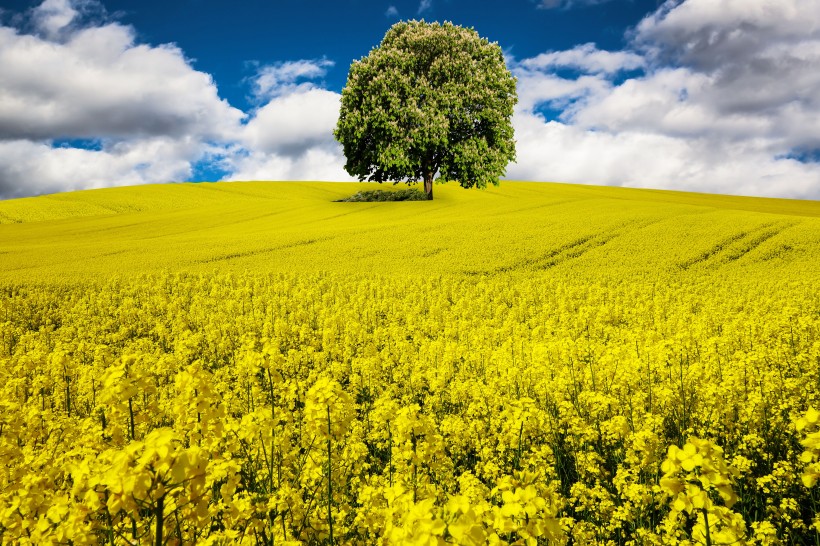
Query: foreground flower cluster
<point>332,409</point>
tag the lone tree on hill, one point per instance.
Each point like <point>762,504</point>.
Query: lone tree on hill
<point>431,98</point>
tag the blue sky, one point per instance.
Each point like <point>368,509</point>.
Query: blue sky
<point>694,95</point>
<point>229,39</point>
<point>226,38</point>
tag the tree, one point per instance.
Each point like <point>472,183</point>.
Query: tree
<point>431,98</point>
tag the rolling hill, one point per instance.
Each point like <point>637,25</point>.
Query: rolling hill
<point>256,363</point>
<point>519,227</point>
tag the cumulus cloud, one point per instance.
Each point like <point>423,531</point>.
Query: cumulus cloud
<point>538,88</point>
<point>293,122</point>
<point>587,58</point>
<point>99,83</point>
<point>31,168</point>
<point>726,99</point>
<point>312,164</point>
<point>153,114</point>
<point>707,35</point>
<point>53,16</point>
<point>568,153</point>
<point>752,65</point>
<point>289,77</point>
<point>290,137</point>
<point>592,69</point>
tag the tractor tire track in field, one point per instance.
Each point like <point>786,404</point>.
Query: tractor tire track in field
<point>532,261</point>
<point>354,211</point>
<point>737,245</point>
<point>432,252</point>
<point>220,226</point>
<point>578,248</point>
<point>756,241</point>
<point>570,251</point>
<point>259,251</point>
<point>112,253</point>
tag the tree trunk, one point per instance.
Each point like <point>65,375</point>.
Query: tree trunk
<point>428,185</point>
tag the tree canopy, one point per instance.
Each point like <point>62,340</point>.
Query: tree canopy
<point>430,99</point>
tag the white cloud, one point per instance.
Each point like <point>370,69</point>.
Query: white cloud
<point>753,66</point>
<point>291,136</point>
<point>707,35</point>
<point>153,114</point>
<point>313,164</point>
<point>536,88</point>
<point>554,151</point>
<point>284,78</point>
<point>294,122</point>
<point>730,91</point>
<point>100,83</point>
<point>31,168</point>
<point>538,83</point>
<point>392,12</point>
<point>52,16</point>
<point>587,58</point>
<point>425,5</point>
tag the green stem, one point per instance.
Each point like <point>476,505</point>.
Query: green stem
<point>390,453</point>
<point>130,419</point>
<point>329,480</point>
<point>415,468</point>
<point>110,522</point>
<point>160,521</point>
<point>706,524</point>
<point>67,391</point>
<point>517,464</point>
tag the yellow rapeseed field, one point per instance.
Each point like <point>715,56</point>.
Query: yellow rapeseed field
<point>254,363</point>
